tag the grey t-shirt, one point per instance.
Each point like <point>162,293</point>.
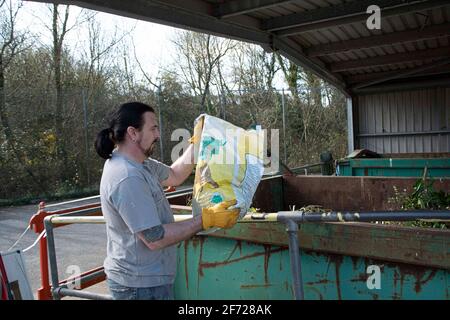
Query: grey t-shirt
<point>133,200</point>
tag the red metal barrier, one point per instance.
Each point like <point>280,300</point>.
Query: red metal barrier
<point>86,284</point>
<point>37,224</point>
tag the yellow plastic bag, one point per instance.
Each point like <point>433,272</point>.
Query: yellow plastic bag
<point>229,164</point>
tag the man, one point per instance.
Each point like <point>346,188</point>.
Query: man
<point>141,256</point>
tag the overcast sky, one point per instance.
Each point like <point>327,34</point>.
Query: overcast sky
<point>153,46</point>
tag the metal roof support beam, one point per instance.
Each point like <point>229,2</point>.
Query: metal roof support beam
<point>350,126</point>
<point>408,85</point>
<point>357,79</point>
<point>206,8</point>
<point>429,32</point>
<point>390,59</point>
<point>155,11</point>
<point>343,14</point>
<point>238,7</point>
<point>403,74</point>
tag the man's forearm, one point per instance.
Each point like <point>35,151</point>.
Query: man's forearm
<point>184,165</point>
<point>171,234</point>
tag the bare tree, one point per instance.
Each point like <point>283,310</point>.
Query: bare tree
<point>256,68</point>
<point>59,29</point>
<point>200,55</point>
<point>59,32</point>
<point>11,44</point>
<point>254,71</point>
<point>101,49</point>
<point>291,73</point>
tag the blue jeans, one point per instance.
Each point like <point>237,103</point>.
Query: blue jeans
<point>120,292</point>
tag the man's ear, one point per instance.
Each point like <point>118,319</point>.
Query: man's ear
<point>132,132</point>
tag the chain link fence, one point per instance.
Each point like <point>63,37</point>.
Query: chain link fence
<point>47,144</point>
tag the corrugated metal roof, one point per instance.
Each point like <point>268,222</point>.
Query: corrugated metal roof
<point>352,31</point>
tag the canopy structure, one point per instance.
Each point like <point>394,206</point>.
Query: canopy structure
<point>366,48</point>
<point>332,38</point>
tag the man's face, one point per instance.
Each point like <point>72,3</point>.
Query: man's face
<point>148,136</point>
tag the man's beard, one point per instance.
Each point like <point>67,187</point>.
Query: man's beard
<point>149,151</point>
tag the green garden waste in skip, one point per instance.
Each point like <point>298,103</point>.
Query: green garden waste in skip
<point>229,164</point>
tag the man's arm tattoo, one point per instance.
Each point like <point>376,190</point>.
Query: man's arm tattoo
<point>153,234</point>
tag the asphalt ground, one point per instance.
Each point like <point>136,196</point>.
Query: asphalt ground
<point>78,247</point>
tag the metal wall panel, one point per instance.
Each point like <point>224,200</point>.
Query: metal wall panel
<point>404,122</point>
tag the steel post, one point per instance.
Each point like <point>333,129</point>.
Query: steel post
<point>61,292</point>
<point>284,125</point>
<point>52,257</point>
<point>294,254</point>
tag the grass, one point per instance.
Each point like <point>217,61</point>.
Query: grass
<point>35,199</point>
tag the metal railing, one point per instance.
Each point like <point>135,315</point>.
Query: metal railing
<point>60,289</point>
<point>290,218</point>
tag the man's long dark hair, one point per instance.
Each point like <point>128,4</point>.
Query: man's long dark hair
<point>129,114</point>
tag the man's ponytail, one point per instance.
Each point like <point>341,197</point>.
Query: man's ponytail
<point>104,145</point>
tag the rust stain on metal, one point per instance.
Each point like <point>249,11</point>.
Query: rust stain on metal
<point>362,277</point>
<point>395,278</point>
<point>355,261</point>
<point>200,272</point>
<point>204,265</point>
<point>281,265</point>
<point>286,285</point>
<point>238,245</point>
<point>252,286</point>
<point>419,284</point>
<point>195,241</point>
<point>323,281</point>
<point>419,273</point>
<point>337,260</point>
<point>200,269</point>
<point>266,262</point>
<point>186,243</point>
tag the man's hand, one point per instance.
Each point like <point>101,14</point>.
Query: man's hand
<point>195,139</point>
<point>220,216</point>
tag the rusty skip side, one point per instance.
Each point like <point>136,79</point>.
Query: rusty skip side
<point>211,268</point>
<point>414,246</point>
<point>417,246</point>
<point>348,193</point>
<point>269,195</point>
<point>225,268</point>
<point>251,260</point>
